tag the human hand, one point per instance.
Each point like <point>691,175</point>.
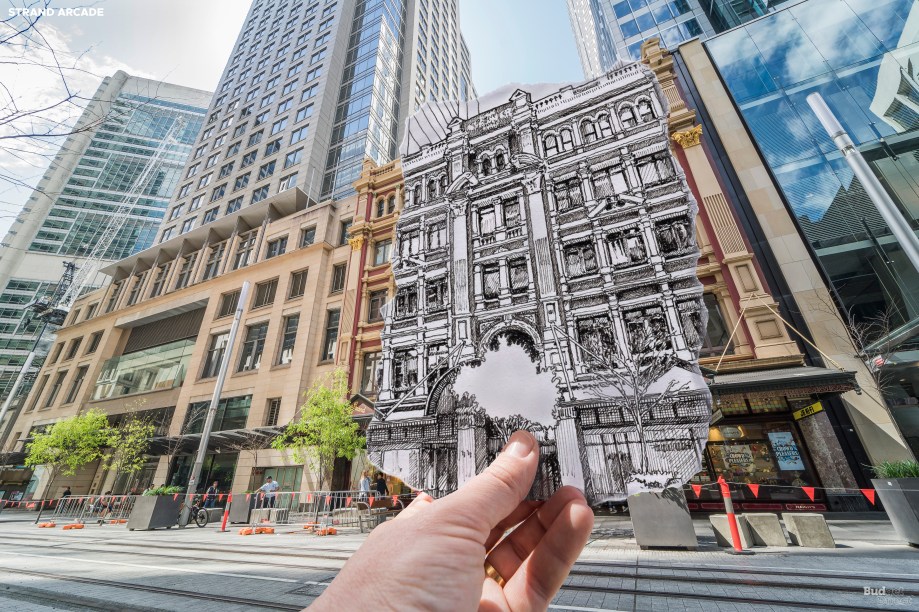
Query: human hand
<point>432,555</point>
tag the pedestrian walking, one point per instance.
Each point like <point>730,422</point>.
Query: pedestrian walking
<point>364,484</point>
<point>210,497</point>
<point>66,492</point>
<point>269,489</point>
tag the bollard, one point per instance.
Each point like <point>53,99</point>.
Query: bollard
<point>226,512</point>
<point>732,519</point>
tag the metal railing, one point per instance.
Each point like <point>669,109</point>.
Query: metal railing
<point>89,508</point>
<point>360,509</point>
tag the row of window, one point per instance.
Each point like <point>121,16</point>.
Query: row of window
<point>591,130</point>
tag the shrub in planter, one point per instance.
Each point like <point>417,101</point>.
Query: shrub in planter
<point>897,484</point>
<point>156,508</point>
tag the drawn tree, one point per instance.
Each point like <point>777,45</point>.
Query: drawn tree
<point>70,444</point>
<point>625,376</point>
<point>325,428</point>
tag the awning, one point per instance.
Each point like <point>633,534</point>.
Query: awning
<point>232,440</point>
<point>802,379</point>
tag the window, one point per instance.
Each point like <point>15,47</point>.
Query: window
<point>674,235</point>
<point>520,278</point>
<point>381,252</point>
<point>186,188</point>
<point>580,259</point>
<point>288,339</point>
<point>247,160</point>
<point>491,281</point>
<point>251,355</point>
<point>299,134</point>
<point>645,110</point>
<point>381,207</point>
<point>244,249</point>
<point>627,247</point>
<point>210,215</point>
<point>135,289</point>
<point>371,373</point>
<point>196,202</point>
<point>214,259</point>
<point>176,211</point>
<point>406,301</point>
<point>568,194</point>
<point>717,335</point>
<point>76,384</point>
<point>566,140</point>
<point>276,247</point>
<point>288,182</point>
<point>487,221</point>
<point>609,182</point>
<point>293,157</point>
<point>273,147</point>
<point>654,169</point>
<point>187,225</point>
<point>112,301</point>
<point>343,231</point>
<point>159,280</point>
<point>234,204</point>
<point>94,341</point>
<point>215,352</point>
<point>225,170</point>
<point>37,391</point>
<point>435,293</point>
<point>264,293</point>
<point>297,285</point>
<point>588,131</point>
<point>303,113</point>
<point>272,412</point>
<point>234,149</point>
<point>218,193</point>
<point>254,138</point>
<point>375,306</point>
<point>606,128</point>
<point>285,105</point>
<point>595,336</point>
<point>184,275</point>
<point>331,334</point>
<point>205,180</point>
<point>228,303</point>
<point>627,116</point>
<point>55,388</point>
<point>338,277</point>
<point>265,171</point>
<point>260,194</point>
<point>279,125</point>
<point>307,236</point>
<point>550,144</point>
<point>405,371</point>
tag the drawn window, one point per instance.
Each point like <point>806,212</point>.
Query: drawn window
<point>595,337</point>
<point>647,329</point>
<point>627,116</point>
<point>437,235</point>
<point>432,189</point>
<point>435,292</point>
<point>550,144</point>
<point>580,259</point>
<point>437,359</point>
<point>654,170</point>
<point>588,131</point>
<point>609,182</point>
<point>443,184</point>
<point>499,162</point>
<point>520,279</point>
<point>673,236</point>
<point>627,247</point>
<point>405,371</point>
<point>568,194</point>
<point>606,128</point>
<point>416,195</point>
<point>486,166</point>
<point>487,220</point>
<point>409,243</point>
<point>491,281</point>
<point>511,214</point>
<point>645,110</point>
<point>567,140</point>
<point>406,302</point>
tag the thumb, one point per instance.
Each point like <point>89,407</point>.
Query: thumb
<point>495,493</point>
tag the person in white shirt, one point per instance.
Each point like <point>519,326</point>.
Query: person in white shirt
<point>269,489</point>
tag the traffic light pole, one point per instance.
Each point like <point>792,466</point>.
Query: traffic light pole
<point>212,409</point>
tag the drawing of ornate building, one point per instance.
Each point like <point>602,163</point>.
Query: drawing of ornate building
<point>560,222</point>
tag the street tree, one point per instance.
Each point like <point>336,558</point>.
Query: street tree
<point>70,444</point>
<point>325,428</point>
<point>128,444</point>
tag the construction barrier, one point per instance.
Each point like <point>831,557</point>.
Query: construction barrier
<point>321,510</point>
<point>10,506</point>
<point>102,509</point>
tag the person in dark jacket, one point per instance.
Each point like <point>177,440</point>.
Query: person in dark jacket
<point>210,497</point>
<point>380,485</point>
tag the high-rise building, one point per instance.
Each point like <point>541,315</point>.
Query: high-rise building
<point>311,89</point>
<point>125,122</point>
<point>609,30</point>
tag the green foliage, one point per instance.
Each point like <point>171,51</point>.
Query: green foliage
<point>70,444</point>
<point>896,469</point>
<point>325,429</point>
<point>129,443</point>
<point>164,490</point>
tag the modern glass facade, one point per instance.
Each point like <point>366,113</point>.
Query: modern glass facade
<point>153,369</point>
<point>105,175</point>
<point>862,56</point>
<point>367,117</point>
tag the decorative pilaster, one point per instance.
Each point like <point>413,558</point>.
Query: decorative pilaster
<point>688,138</point>
<point>471,443</point>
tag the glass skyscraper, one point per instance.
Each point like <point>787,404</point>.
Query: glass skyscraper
<point>118,132</point>
<point>862,56</point>
<point>609,30</point>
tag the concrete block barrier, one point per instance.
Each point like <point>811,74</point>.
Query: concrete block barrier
<point>722,531</point>
<point>808,530</point>
<point>765,529</point>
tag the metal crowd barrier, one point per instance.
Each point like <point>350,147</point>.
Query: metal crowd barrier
<point>325,508</point>
<point>89,508</point>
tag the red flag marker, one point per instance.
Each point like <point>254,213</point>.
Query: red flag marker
<point>220,497</point>
<point>869,493</point>
<point>175,497</point>
<point>248,496</point>
<point>809,491</point>
<point>328,499</point>
<point>348,501</point>
<point>309,498</point>
<point>371,501</point>
<point>754,488</point>
<point>697,489</point>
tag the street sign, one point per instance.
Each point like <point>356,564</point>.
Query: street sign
<point>808,411</point>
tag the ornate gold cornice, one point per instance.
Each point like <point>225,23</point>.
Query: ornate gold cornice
<point>688,138</point>
<point>356,242</point>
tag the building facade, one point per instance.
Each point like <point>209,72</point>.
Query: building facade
<point>557,222</point>
<point>609,30</point>
<point>153,346</point>
<point>118,133</point>
<point>870,86</point>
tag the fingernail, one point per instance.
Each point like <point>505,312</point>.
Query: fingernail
<point>520,445</point>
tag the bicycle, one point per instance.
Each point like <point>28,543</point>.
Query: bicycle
<point>197,513</point>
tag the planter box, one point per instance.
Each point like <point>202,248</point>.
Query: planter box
<point>900,497</point>
<point>661,520</point>
<point>240,508</point>
<point>154,512</point>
